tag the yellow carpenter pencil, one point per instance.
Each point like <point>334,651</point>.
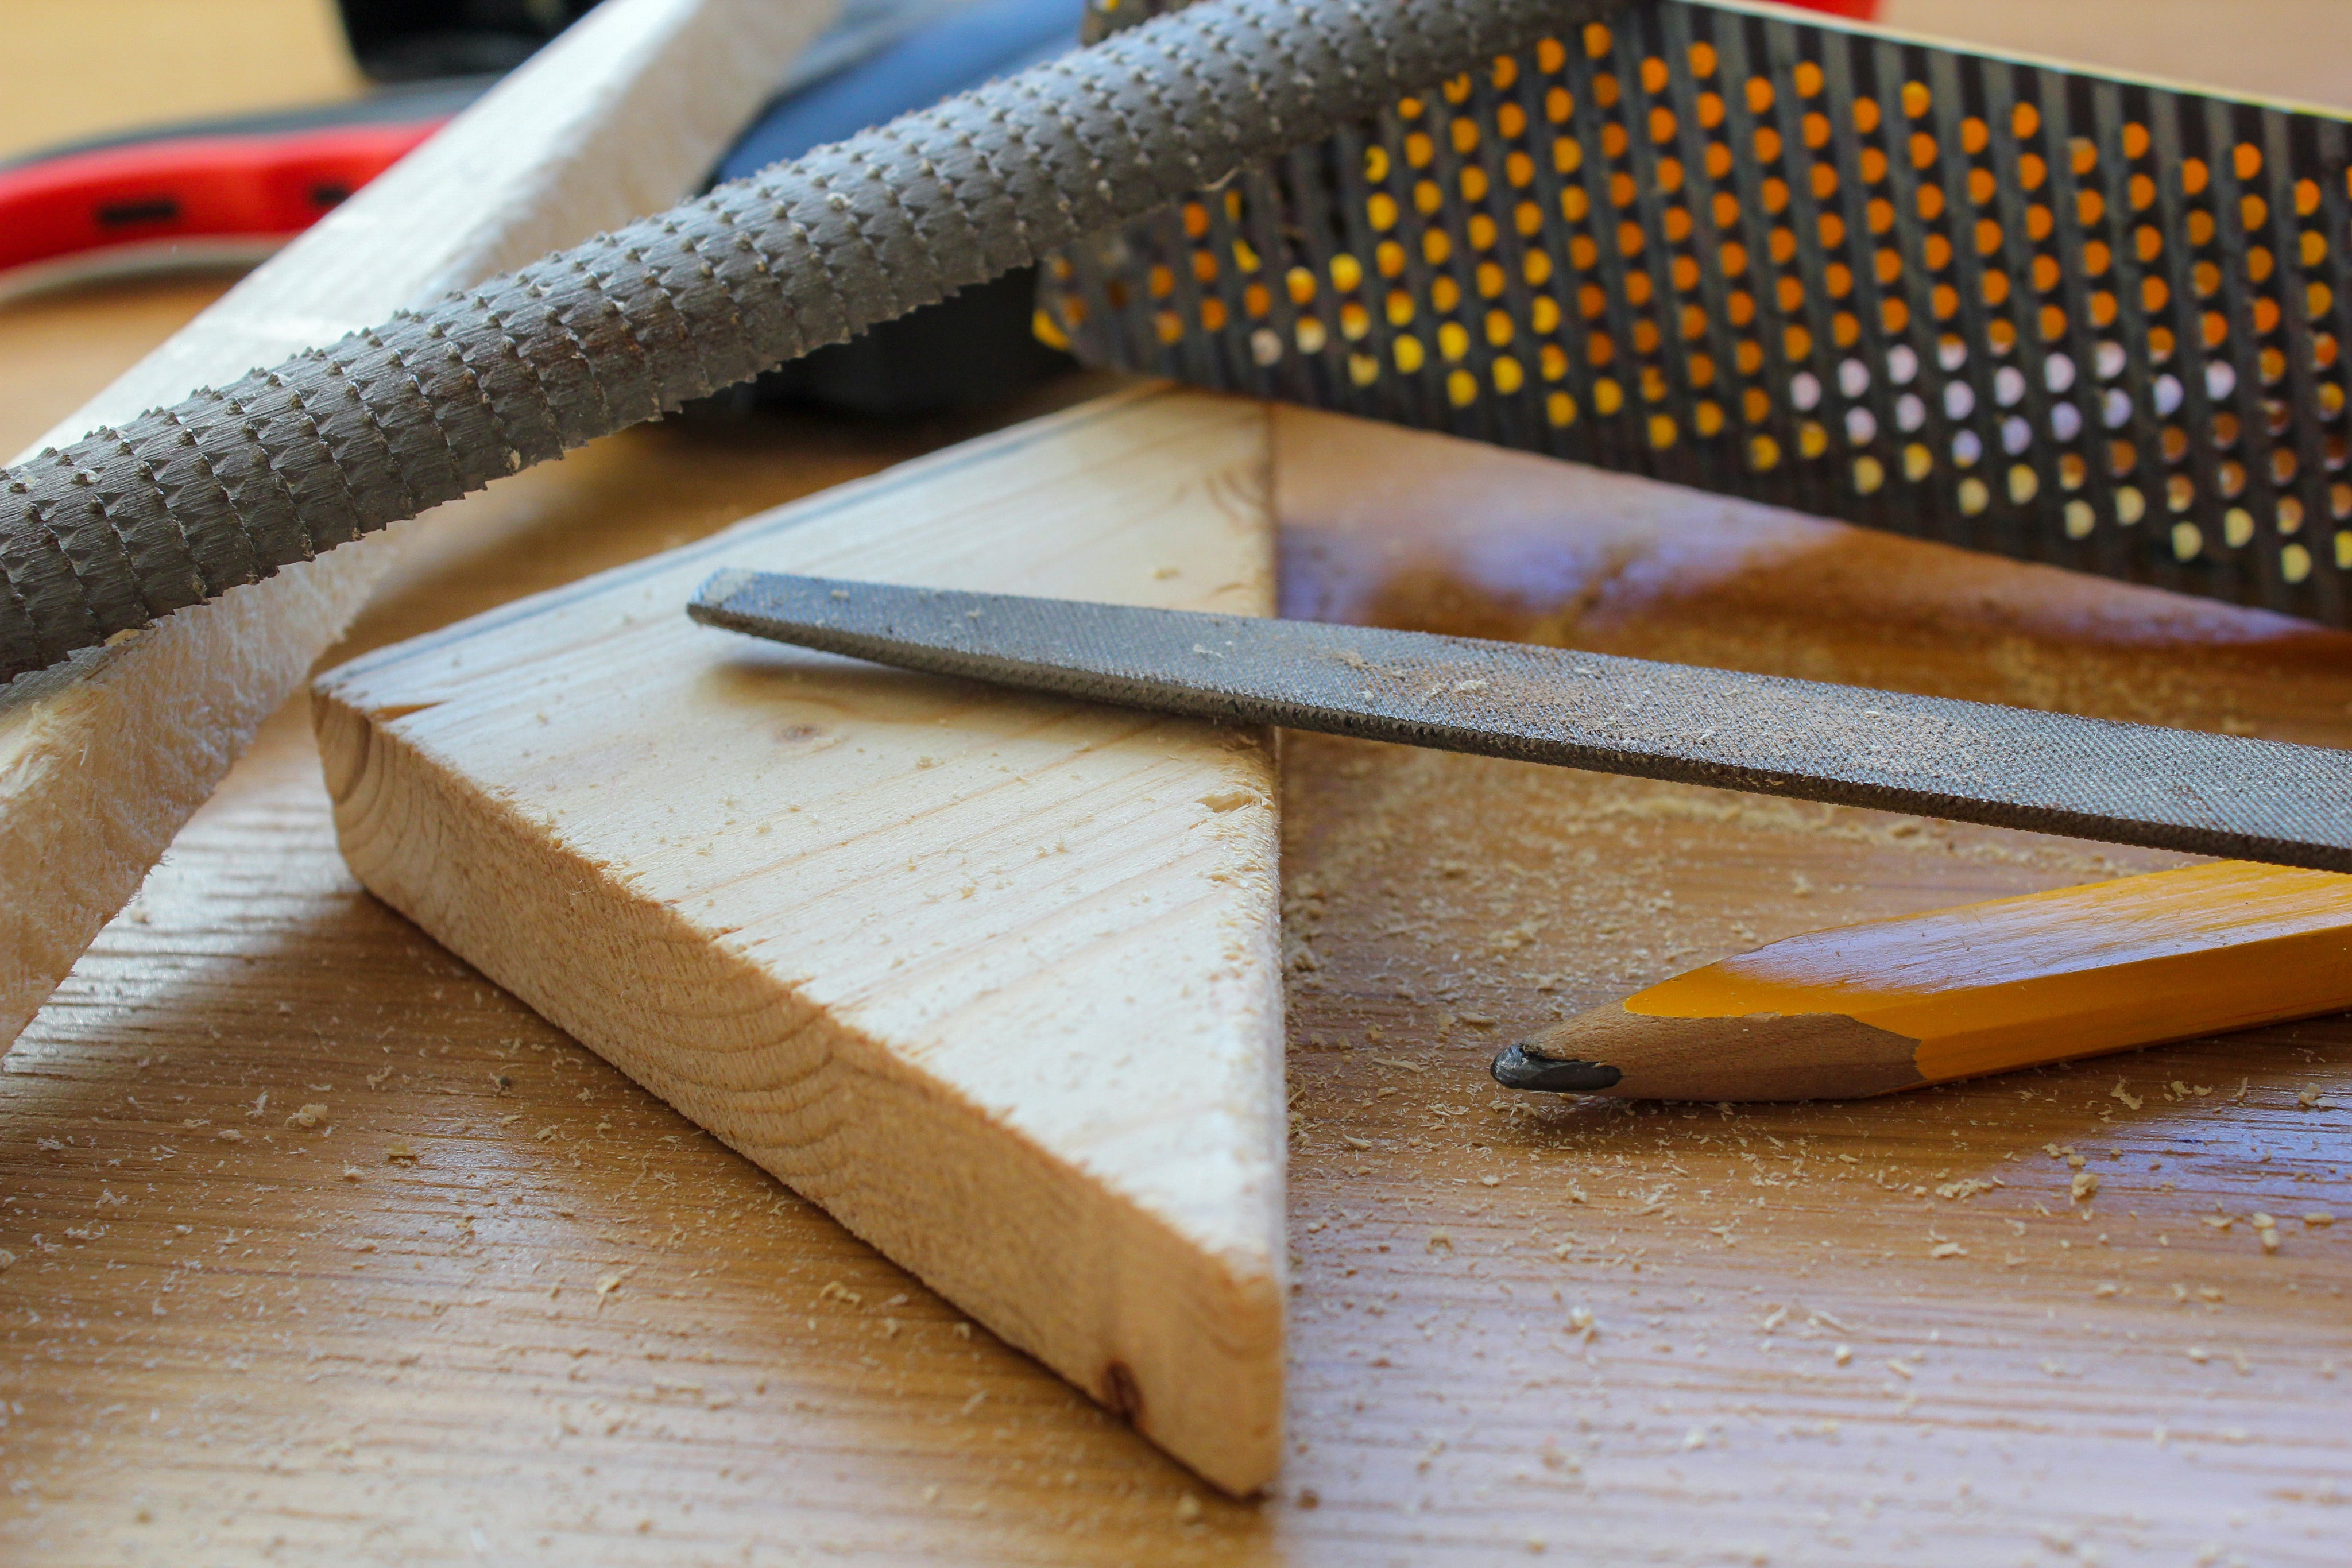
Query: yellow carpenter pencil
<point>1984,988</point>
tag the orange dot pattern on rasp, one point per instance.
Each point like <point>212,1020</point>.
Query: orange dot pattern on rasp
<point>2067,317</point>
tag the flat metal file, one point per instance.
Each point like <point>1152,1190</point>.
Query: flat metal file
<point>1972,762</point>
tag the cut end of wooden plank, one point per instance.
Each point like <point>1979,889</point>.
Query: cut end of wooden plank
<point>103,758</point>
<point>994,979</point>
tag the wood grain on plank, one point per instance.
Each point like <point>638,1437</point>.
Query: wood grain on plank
<point>2282,49</point>
<point>102,758</point>
<point>991,977</point>
<point>89,67</point>
<point>421,1366</point>
<point>394,1367</point>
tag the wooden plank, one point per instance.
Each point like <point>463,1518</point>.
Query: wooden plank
<point>991,977</point>
<point>419,1364</point>
<point>62,348</point>
<point>102,759</point>
<point>384,1367</point>
<point>88,68</point>
<point>2282,49</point>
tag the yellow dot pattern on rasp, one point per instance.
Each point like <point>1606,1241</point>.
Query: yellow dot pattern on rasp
<point>1999,304</point>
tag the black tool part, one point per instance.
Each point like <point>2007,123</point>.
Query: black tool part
<point>414,40</point>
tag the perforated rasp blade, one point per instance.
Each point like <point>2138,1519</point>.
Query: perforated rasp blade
<point>1975,762</point>
<point>2000,303</point>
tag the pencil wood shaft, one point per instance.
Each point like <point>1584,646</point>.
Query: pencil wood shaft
<point>1984,988</point>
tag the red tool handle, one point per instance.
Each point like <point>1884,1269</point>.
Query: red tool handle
<point>205,187</point>
<point>264,186</point>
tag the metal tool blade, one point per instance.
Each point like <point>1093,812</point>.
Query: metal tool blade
<point>2008,304</point>
<point>1973,762</point>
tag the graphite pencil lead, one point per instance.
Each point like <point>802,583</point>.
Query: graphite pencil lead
<point>1523,1066</point>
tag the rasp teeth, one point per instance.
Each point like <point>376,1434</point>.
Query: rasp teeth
<point>1997,303</point>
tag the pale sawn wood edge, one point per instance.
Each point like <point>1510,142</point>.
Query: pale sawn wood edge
<point>104,757</point>
<point>1185,1342</point>
<point>1174,1341</point>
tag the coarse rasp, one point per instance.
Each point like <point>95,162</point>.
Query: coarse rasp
<point>2014,305</point>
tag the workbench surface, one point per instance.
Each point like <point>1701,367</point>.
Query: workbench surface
<point>325,1248</point>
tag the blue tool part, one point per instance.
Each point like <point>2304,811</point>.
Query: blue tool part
<point>882,58</point>
<point>944,52</point>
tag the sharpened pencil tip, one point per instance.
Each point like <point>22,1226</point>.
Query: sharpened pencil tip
<point>1522,1067</point>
